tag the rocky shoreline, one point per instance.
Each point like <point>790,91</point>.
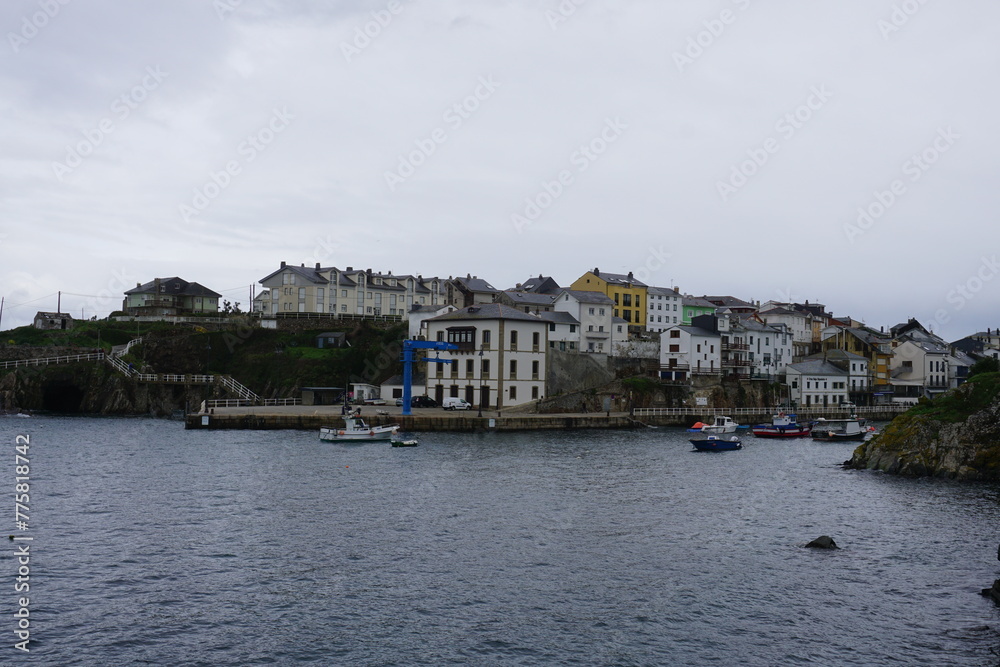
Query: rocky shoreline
<point>937,440</point>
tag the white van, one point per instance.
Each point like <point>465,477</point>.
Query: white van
<point>455,403</point>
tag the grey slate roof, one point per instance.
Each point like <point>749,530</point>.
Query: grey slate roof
<point>530,298</point>
<point>619,279</point>
<point>816,367</point>
<point>558,317</point>
<point>475,284</point>
<point>588,296</point>
<point>487,311</point>
<point>728,302</point>
<point>174,287</point>
<point>697,301</point>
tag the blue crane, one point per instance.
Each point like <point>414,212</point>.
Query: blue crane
<point>408,347</point>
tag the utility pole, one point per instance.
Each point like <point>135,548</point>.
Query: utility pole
<point>59,303</point>
<point>1,307</point>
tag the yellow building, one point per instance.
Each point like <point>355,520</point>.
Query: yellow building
<point>628,294</point>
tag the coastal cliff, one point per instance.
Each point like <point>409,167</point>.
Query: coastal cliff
<point>956,435</point>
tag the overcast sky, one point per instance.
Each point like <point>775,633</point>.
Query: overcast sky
<point>728,147</point>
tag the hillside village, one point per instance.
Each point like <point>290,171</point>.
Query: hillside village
<point>510,343</point>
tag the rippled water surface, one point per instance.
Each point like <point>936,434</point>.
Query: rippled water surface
<point>155,545</point>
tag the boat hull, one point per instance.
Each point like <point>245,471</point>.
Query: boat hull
<point>716,445</point>
<point>782,431</point>
<point>341,435</point>
<point>828,436</point>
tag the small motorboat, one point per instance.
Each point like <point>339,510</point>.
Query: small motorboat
<point>840,429</point>
<point>356,430</point>
<point>715,443</point>
<point>718,425</point>
<point>782,426</point>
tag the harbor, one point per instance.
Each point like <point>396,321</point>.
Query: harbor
<point>300,417</point>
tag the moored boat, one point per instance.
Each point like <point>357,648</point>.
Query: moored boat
<point>356,430</point>
<point>840,429</point>
<point>718,425</point>
<point>715,443</point>
<point>782,426</point>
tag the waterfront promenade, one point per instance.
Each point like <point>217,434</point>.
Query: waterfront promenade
<point>310,417</point>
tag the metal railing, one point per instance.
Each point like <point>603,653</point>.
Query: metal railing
<point>68,359</point>
<point>337,316</point>
<point>237,388</point>
<point>282,401</point>
<point>733,412</point>
<point>227,403</point>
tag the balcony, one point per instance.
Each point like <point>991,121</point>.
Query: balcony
<point>736,346</point>
<point>736,363</point>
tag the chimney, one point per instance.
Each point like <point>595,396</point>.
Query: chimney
<point>630,276</point>
<point>368,272</point>
<point>350,268</point>
<point>317,266</point>
<point>140,285</point>
<point>282,265</point>
<point>597,272</point>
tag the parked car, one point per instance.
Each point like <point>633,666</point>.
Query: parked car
<point>423,402</point>
<point>455,403</point>
<point>374,401</point>
<point>419,402</point>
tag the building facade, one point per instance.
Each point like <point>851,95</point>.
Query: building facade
<point>500,360</point>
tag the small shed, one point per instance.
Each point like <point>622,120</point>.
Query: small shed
<point>332,339</point>
<point>53,321</point>
<point>363,391</point>
<point>322,395</point>
<point>393,387</point>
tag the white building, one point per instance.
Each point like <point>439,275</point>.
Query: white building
<point>663,308</point>
<point>817,383</point>
<point>798,323</point>
<point>769,347</point>
<point>687,350</point>
<point>564,331</point>
<point>595,313</point>
<point>919,368</point>
<point>500,360</point>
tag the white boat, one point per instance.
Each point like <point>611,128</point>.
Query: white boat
<point>718,425</point>
<point>355,429</point>
<point>841,429</point>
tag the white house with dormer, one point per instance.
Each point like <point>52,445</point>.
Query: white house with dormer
<point>500,360</point>
<point>595,313</point>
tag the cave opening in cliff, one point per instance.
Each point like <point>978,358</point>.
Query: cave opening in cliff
<point>62,397</point>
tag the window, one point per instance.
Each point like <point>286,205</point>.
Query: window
<point>535,340</point>
<point>637,304</point>
<point>513,369</point>
<point>616,298</point>
<point>627,315</point>
<point>469,368</point>
<point>343,293</point>
<point>534,370</point>
<point>464,337</point>
<point>486,338</point>
<point>601,312</point>
<point>591,311</point>
<point>675,333</point>
<point>572,328</point>
<point>534,392</point>
<point>513,339</point>
<point>552,326</point>
<point>486,368</point>
<point>675,348</point>
<point>513,393</point>
<point>627,300</point>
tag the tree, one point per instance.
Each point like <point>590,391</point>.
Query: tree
<point>985,365</point>
<point>231,308</point>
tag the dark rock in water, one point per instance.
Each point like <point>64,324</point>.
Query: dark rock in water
<point>822,542</point>
<point>993,592</point>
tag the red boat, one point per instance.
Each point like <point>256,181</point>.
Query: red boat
<point>782,426</point>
